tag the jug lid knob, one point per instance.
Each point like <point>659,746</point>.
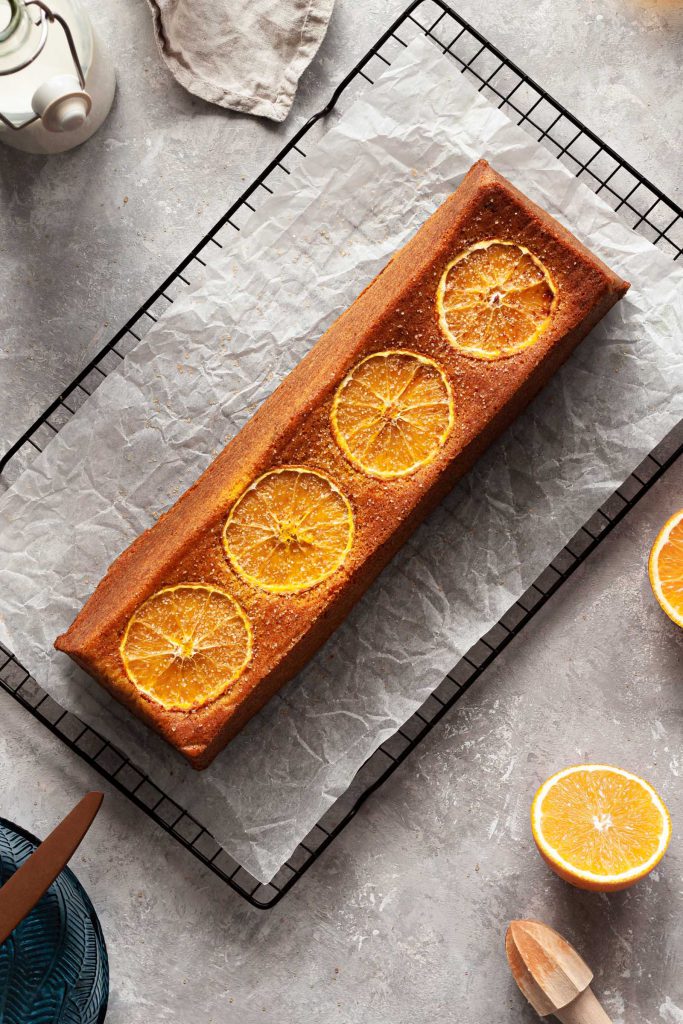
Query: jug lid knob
<point>61,104</point>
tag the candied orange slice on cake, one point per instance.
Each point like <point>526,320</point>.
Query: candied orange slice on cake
<point>392,413</point>
<point>290,530</point>
<point>186,645</point>
<point>495,299</point>
<point>666,568</point>
<point>599,827</point>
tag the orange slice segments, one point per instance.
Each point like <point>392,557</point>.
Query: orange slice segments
<point>666,568</point>
<point>289,531</point>
<point>494,300</point>
<point>600,827</point>
<point>185,645</point>
<point>392,413</point>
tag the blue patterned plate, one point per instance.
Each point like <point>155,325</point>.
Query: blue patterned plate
<point>53,967</point>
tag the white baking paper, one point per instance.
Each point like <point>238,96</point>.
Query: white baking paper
<point>221,348</point>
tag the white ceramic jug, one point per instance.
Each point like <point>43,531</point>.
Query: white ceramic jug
<point>56,81</point>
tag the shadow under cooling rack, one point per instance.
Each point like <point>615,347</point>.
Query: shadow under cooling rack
<point>643,207</point>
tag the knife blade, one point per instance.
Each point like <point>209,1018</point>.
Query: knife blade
<point>21,892</point>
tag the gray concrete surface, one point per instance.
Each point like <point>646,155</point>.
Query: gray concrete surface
<point>402,920</point>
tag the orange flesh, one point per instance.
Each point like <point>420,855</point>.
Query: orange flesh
<point>600,822</point>
<point>669,570</point>
<point>494,300</point>
<point>289,531</point>
<point>392,413</point>
<point>185,645</point>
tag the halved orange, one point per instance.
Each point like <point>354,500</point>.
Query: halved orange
<point>185,645</point>
<point>495,299</point>
<point>290,530</point>
<point>666,568</point>
<point>598,827</point>
<point>392,413</point>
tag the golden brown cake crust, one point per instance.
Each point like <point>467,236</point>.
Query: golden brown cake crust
<point>397,310</point>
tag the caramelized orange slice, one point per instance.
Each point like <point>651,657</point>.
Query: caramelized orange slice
<point>392,413</point>
<point>494,300</point>
<point>290,530</point>
<point>186,645</point>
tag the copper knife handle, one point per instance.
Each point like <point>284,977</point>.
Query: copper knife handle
<point>21,892</point>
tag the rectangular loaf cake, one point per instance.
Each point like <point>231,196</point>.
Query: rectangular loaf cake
<point>208,613</point>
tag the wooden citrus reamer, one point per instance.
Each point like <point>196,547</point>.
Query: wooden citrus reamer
<point>551,974</point>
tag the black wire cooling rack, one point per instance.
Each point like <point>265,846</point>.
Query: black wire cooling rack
<point>644,207</point>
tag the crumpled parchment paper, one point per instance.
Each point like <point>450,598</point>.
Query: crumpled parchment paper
<point>197,376</point>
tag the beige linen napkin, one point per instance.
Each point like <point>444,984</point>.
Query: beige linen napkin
<point>247,55</point>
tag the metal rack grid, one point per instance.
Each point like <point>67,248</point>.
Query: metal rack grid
<point>644,208</point>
